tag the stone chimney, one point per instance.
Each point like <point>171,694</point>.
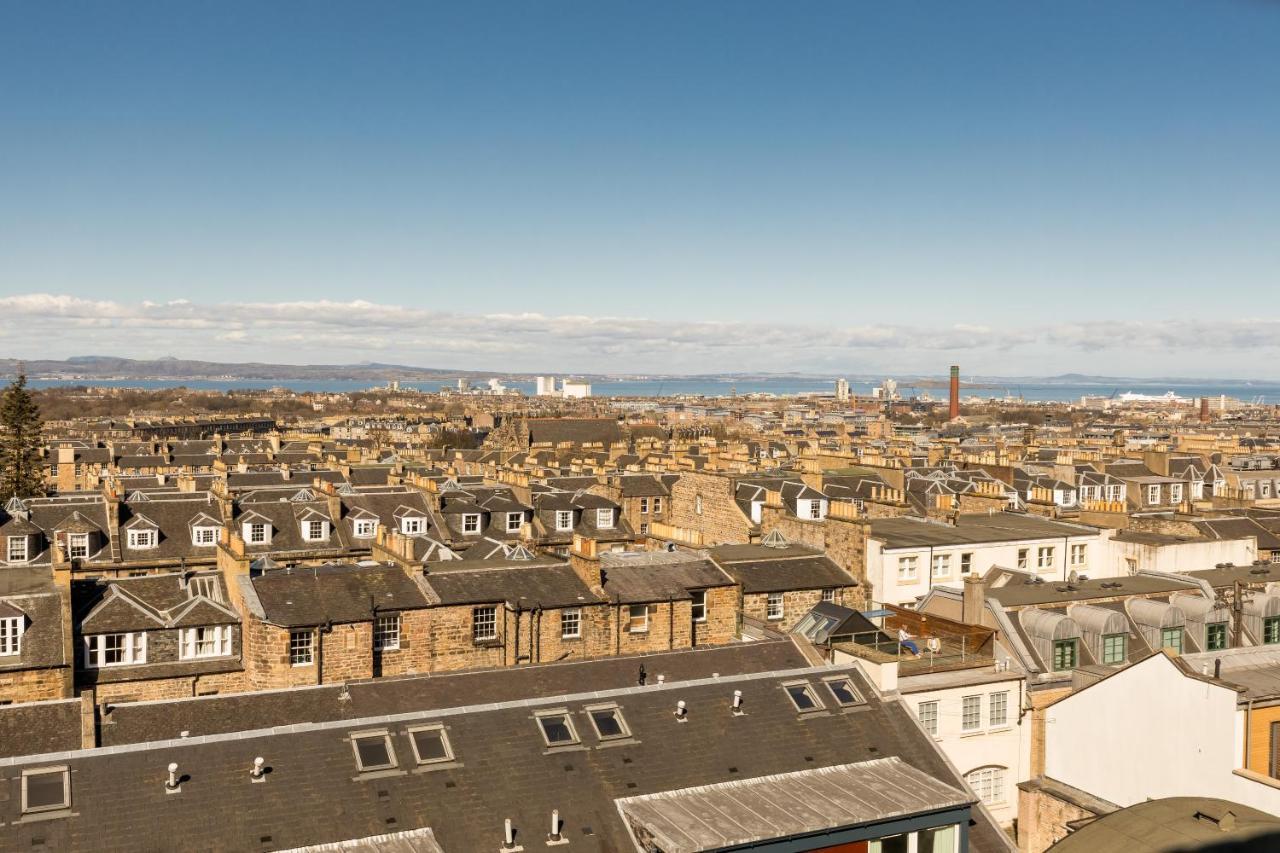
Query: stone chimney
<point>186,481</point>
<point>975,600</point>
<point>88,719</point>
<point>584,559</point>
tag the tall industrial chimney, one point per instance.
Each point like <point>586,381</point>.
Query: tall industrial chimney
<point>1204,410</point>
<point>955,391</point>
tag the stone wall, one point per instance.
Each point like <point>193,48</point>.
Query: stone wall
<point>721,520</point>
<point>34,685</point>
<point>843,540</point>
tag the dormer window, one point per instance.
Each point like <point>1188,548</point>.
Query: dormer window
<point>411,525</point>
<point>604,518</point>
<point>142,539</point>
<point>11,628</point>
<point>564,519</point>
<point>471,524</point>
<point>257,533</point>
<point>514,520</point>
<point>78,545</point>
<point>204,535</point>
<point>17,551</point>
<point>365,528</point>
<point>315,531</point>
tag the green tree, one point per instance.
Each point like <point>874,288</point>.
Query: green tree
<point>20,442</point>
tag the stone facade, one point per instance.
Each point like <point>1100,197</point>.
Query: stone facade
<point>720,520</point>
<point>34,685</point>
<point>795,604</point>
<point>843,540</point>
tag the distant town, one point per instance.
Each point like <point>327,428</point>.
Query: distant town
<point>972,580</point>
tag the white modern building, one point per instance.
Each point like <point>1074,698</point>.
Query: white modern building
<point>907,556</point>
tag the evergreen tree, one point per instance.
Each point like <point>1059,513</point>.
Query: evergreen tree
<point>20,442</point>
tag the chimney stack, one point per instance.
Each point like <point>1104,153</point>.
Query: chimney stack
<point>1204,410</point>
<point>955,392</point>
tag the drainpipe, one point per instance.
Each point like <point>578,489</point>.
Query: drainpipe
<point>536,639</point>
<point>671,621</point>
<point>517,640</point>
<point>1248,725</point>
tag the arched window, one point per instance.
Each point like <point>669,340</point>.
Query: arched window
<point>987,783</point>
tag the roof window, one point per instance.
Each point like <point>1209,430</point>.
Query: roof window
<point>373,751</point>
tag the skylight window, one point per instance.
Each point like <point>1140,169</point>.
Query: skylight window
<point>844,692</point>
<point>373,751</point>
<point>46,789</point>
<point>430,744</point>
<point>608,722</point>
<point>803,697</point>
<point>557,729</point>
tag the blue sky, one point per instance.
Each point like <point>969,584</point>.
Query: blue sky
<point>1022,188</point>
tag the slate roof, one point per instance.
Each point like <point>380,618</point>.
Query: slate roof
<point>771,571</point>
<point>521,585</point>
<point>335,593</point>
<point>501,769</point>
<point>907,532</point>
<point>648,577</point>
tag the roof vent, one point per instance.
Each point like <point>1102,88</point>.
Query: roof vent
<point>737,703</point>
<point>508,835</point>
<point>173,784</point>
<point>259,772</point>
<point>774,539</point>
<point>682,712</point>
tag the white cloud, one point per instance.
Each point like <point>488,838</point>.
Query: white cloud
<point>41,325</point>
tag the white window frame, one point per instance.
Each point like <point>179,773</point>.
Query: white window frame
<point>815,510</point>
<point>641,626</point>
<point>564,519</point>
<point>252,530</point>
<point>18,549</point>
<point>644,506</point>
<point>571,623</point>
<point>927,714</point>
<point>998,709</point>
<point>941,567</point>
<point>309,528</point>
<point>829,596</point>
<point>1044,557</point>
<point>515,520</point>
<point>386,632</point>
<point>1153,495</point>
<point>471,523</point>
<point>1024,557</point>
<point>988,783</point>
<point>698,605</point>
<point>774,606</point>
<point>65,772</point>
<point>1175,493</point>
<point>198,534</point>
<point>412,525</point>
<point>604,518</point>
<point>657,505</point>
<point>1079,554</point>
<point>391,763</point>
<point>908,568</point>
<point>971,713</point>
<point>142,539</point>
<point>444,743</point>
<point>11,630</point>
<point>190,641</point>
<point>365,528</point>
<point>77,545</point>
<point>302,648</point>
<point>133,649</point>
<point>484,623</point>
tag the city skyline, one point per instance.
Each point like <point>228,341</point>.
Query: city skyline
<point>596,188</point>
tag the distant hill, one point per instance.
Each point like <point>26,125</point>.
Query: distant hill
<point>90,367</point>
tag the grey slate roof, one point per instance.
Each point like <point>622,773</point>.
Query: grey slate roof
<point>314,793</point>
